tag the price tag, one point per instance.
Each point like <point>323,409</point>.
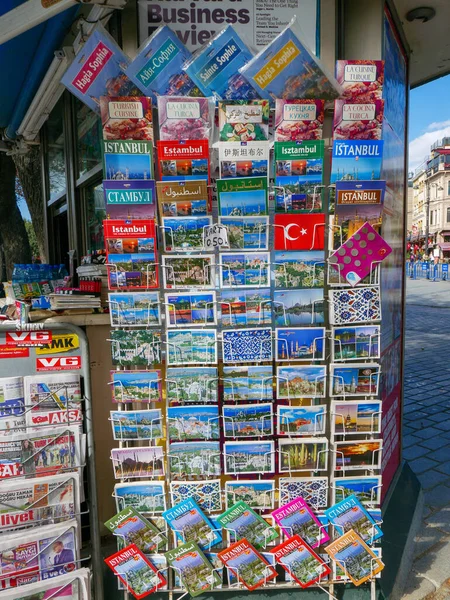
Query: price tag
<point>215,236</point>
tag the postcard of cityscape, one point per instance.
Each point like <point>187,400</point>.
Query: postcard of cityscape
<point>241,384</point>
<point>184,233</point>
<point>191,384</point>
<point>299,343</point>
<point>193,422</point>
<point>251,203</point>
<point>245,307</point>
<point>249,457</point>
<point>259,494</point>
<point>146,461</point>
<point>247,233</point>
<point>354,380</point>
<point>191,346</point>
<point>122,167</point>
<point>136,424</point>
<point>134,309</point>
<point>188,271</point>
<point>136,386</point>
<point>247,269</point>
<point>247,420</point>
<point>194,458</point>
<point>307,454</point>
<point>299,269</point>
<point>298,307</point>
<point>354,416</point>
<point>301,420</point>
<point>145,497</point>
<point>301,382</point>
<point>190,309</point>
<point>366,488</point>
<point>350,343</point>
<point>358,455</point>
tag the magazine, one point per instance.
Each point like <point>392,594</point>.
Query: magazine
<point>12,417</point>
<point>247,564</point>
<point>300,562</point>
<point>351,514</point>
<point>126,118</point>
<point>190,524</point>
<point>243,522</point>
<point>52,399</point>
<point>73,586</point>
<point>196,572</point>
<point>130,527</point>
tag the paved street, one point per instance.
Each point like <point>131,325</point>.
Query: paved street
<point>426,432</point>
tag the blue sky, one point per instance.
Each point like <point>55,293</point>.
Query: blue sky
<point>429,118</point>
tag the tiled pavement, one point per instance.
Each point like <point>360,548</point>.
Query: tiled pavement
<point>426,432</point>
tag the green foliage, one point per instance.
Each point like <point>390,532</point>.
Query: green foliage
<point>32,238</point>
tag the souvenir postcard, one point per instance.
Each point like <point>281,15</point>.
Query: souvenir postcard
<point>357,379</point>
<point>247,345</point>
<point>355,416</point>
<point>189,523</point>
<point>339,574</point>
<point>304,199</point>
<point>298,307</point>
<point>191,385</point>
<point>299,232</point>
<point>358,120</point>
<point>247,420</point>
<point>247,564</point>
<point>38,501</point>
<point>299,343</point>
<point>357,160</point>
<point>299,269</point>
<point>190,346</point>
<point>190,309</point>
<point>306,454</point>
<point>301,382</point>
<point>298,163</point>
<point>357,342</point>
<point>129,309</point>
<point>361,80</point>
<point>129,161</point>
<point>12,409</point>
<point>243,120</point>
<point>182,118</point>
<point>356,559</point>
<point>243,197</point>
<point>214,67</point>
<point>246,307</point>
<point>359,193</point>
<point>350,514</point>
<point>241,384</point>
<point>183,160</point>
<point>301,420</point>
<point>347,219</point>
<point>207,494</point>
<point>135,571</point>
<point>246,269</point>
<point>136,424</point>
<point>183,198</point>
<point>233,580</point>
<point>355,305</point>
<point>256,493</point>
<point>358,455</point>
<point>131,254</point>
<point>193,422</point>
<point>71,586</point>
<point>136,386</point>
<point>142,461</point>
<point>184,233</point>
<point>145,497</point>
<point>131,199</point>
<point>297,120</point>
<point>139,347</point>
<point>243,159</point>
<point>300,562</point>
<point>191,271</point>
<point>249,457</point>
<point>96,70</point>
<point>296,518</point>
<point>243,522</point>
<point>194,458</point>
<point>132,528</point>
<point>366,488</point>
<point>191,565</point>
<point>126,118</point>
<point>247,233</point>
<point>50,399</point>
<point>314,490</point>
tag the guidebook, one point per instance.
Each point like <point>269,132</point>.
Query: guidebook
<point>243,120</point>
<point>358,120</point>
<point>196,572</point>
<point>126,118</point>
<point>361,80</point>
<point>130,198</point>
<point>243,159</point>
<point>247,564</point>
<point>135,571</point>
<point>300,562</point>
<point>190,524</point>
<point>351,514</point>
<point>183,160</point>
<point>297,518</point>
<point>243,522</point>
<point>183,198</point>
<point>356,160</point>
<point>297,120</point>
<point>354,557</point>
<point>183,118</point>
<point>132,528</point>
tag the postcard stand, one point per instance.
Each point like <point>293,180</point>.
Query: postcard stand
<point>205,389</point>
<point>122,322</point>
<point>366,433</point>
<point>259,426</point>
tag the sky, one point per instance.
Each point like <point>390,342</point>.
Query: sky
<point>429,118</point>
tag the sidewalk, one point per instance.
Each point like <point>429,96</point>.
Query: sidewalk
<point>426,431</point>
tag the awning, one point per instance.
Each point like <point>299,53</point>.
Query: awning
<point>445,246</point>
<point>24,61</point>
<point>445,232</point>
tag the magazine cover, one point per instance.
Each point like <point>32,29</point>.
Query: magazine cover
<point>183,118</point>
<point>243,159</point>
<point>247,564</point>
<point>183,160</point>
<point>129,199</point>
<point>354,557</point>
<point>297,120</point>
<point>190,524</point>
<point>144,496</point>
<point>183,198</point>
<point>298,163</point>
<point>244,522</point>
<point>12,417</point>
<point>126,118</point>
<point>361,80</point>
<point>196,572</point>
<point>136,424</point>
<point>131,527</point>
<point>296,518</point>
<point>96,70</point>
<point>351,514</point>
<point>358,121</point>
<point>27,502</point>
<point>243,120</point>
<point>356,160</point>
<point>300,562</point>
<point>126,160</point>
<point>135,571</point>
<point>73,586</point>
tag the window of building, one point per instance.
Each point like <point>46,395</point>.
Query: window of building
<point>448,215</point>
<point>88,137</point>
<point>94,213</point>
<point>431,217</point>
<point>55,152</point>
<point>448,187</point>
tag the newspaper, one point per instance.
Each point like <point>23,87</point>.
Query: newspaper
<point>12,418</point>
<point>52,399</point>
<point>73,586</point>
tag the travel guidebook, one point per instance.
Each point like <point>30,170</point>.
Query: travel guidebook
<point>297,120</point>
<point>358,121</point>
<point>243,197</point>
<point>297,518</point>
<point>183,160</point>
<point>190,524</point>
<point>357,160</point>
<point>196,572</point>
<point>361,80</point>
<point>354,557</point>
<point>183,198</point>
<point>12,409</point>
<point>130,527</point>
<point>243,159</point>
<point>126,118</point>
<point>130,199</point>
<point>300,562</point>
<point>128,160</point>
<point>135,571</point>
<point>243,522</point>
<point>243,120</point>
<point>298,163</point>
<point>145,497</point>
<point>182,118</point>
<point>247,564</point>
<point>350,514</point>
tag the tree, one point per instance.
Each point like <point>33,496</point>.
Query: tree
<point>32,238</point>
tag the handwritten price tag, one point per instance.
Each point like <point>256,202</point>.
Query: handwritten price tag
<point>215,236</point>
